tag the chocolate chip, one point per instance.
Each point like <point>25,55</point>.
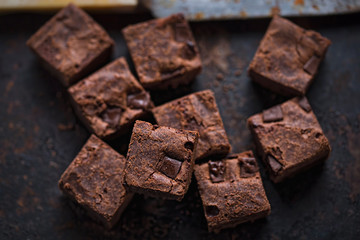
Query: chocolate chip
<point>139,100</point>
<point>312,65</point>
<point>305,131</point>
<point>170,167</point>
<point>273,114</point>
<point>171,73</point>
<point>191,45</point>
<point>112,116</point>
<point>317,135</point>
<point>188,50</point>
<point>189,145</point>
<point>304,104</point>
<point>274,164</point>
<point>248,167</point>
<point>232,156</point>
<point>276,151</point>
<point>212,211</point>
<point>217,170</point>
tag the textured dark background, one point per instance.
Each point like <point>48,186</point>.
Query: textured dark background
<point>39,137</point>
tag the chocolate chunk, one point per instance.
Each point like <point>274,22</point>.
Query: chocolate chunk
<point>139,101</point>
<point>189,145</point>
<point>167,73</point>
<point>112,116</point>
<point>232,156</point>
<point>217,170</point>
<point>273,114</point>
<point>189,51</point>
<point>312,65</point>
<point>170,167</point>
<point>248,167</point>
<point>274,164</point>
<point>191,45</point>
<point>304,104</point>
<point>212,211</point>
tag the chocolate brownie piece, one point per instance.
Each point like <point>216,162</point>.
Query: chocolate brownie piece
<point>288,58</point>
<point>110,100</point>
<point>164,52</point>
<point>197,111</point>
<point>160,160</point>
<point>289,138</point>
<point>71,44</point>
<point>231,191</point>
<point>94,180</point>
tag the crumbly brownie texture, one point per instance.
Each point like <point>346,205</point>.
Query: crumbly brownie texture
<point>110,100</point>
<point>94,180</point>
<point>288,58</point>
<point>289,138</point>
<point>71,44</point>
<point>198,112</point>
<point>231,191</point>
<point>164,52</point>
<point>160,161</point>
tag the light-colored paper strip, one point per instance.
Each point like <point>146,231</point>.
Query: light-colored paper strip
<point>43,5</point>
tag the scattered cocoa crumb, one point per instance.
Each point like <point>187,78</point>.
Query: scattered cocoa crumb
<point>65,127</point>
<point>16,66</point>
<point>219,77</point>
<point>225,89</point>
<point>59,94</point>
<point>9,86</point>
<point>216,84</point>
<point>228,87</point>
<point>238,73</point>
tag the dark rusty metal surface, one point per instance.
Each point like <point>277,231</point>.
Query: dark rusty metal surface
<point>201,10</point>
<point>39,137</point>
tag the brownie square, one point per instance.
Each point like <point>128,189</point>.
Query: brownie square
<point>288,58</point>
<point>164,52</point>
<point>198,112</point>
<point>160,161</point>
<point>94,180</point>
<point>71,44</point>
<point>289,138</point>
<point>231,191</point>
<point>110,100</point>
